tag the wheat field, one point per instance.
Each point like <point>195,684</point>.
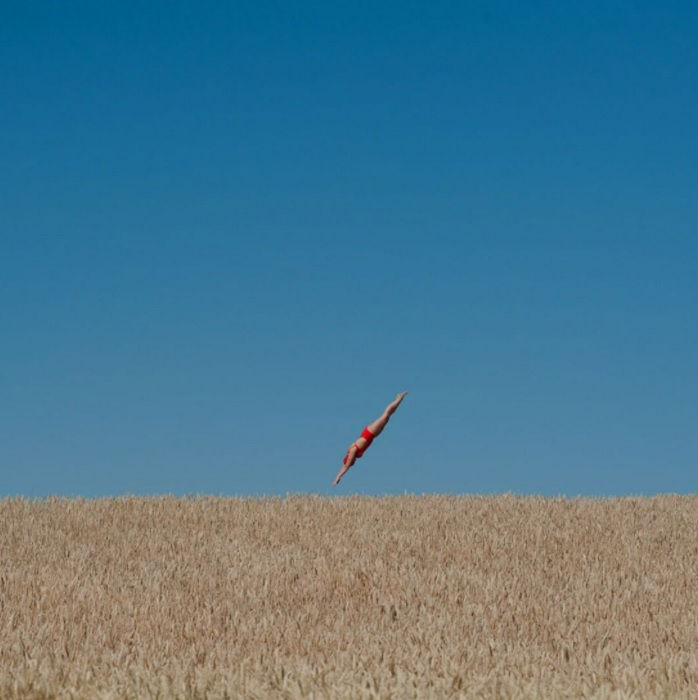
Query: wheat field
<point>305,596</point>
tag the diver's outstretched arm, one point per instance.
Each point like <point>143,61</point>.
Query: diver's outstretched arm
<point>340,474</point>
<point>349,461</point>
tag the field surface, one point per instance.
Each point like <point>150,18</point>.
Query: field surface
<point>410,596</point>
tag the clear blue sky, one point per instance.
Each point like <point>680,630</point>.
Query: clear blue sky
<point>231,232</point>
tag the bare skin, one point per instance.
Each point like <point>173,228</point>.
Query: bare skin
<point>376,428</point>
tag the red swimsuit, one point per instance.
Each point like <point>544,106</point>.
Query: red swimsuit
<point>366,435</point>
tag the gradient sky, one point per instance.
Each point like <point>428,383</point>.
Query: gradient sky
<point>230,233</point>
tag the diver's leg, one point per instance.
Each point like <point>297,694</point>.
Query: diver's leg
<point>377,426</point>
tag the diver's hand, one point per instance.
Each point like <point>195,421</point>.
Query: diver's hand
<point>339,476</point>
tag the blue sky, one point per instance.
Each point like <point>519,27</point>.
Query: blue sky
<point>230,233</point>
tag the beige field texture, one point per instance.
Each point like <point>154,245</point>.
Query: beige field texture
<point>305,596</point>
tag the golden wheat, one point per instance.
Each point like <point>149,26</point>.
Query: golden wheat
<point>429,596</point>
